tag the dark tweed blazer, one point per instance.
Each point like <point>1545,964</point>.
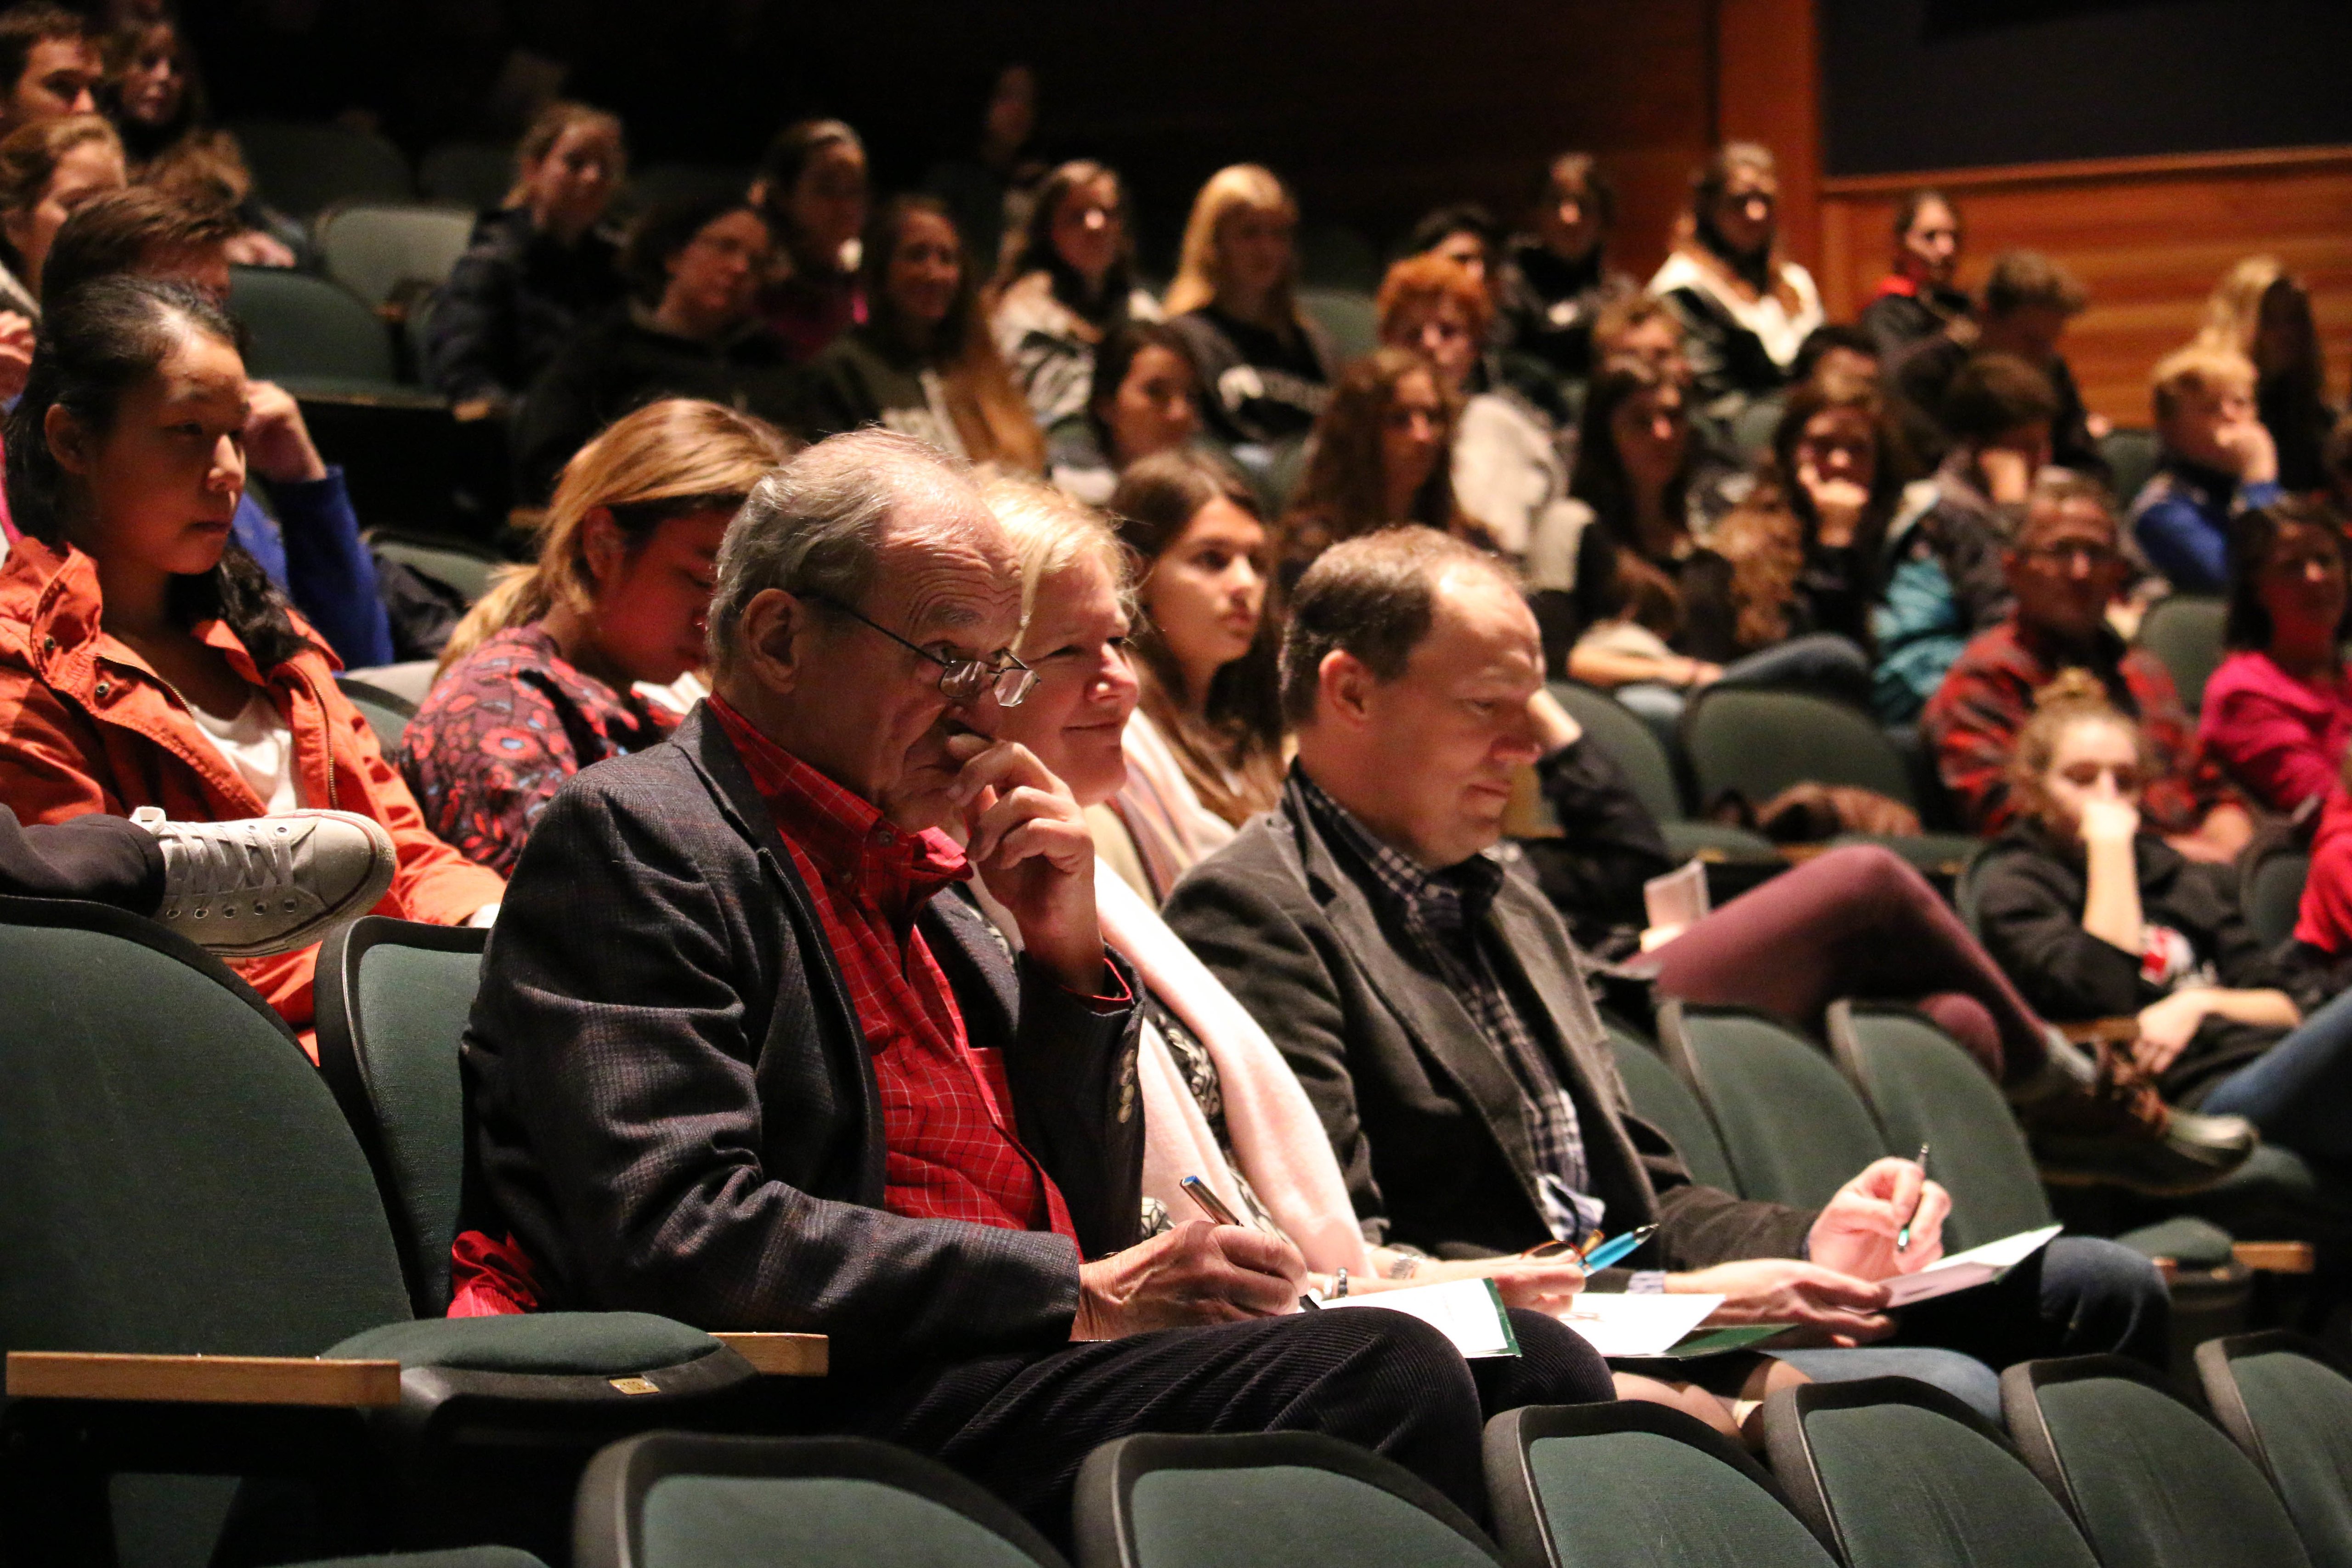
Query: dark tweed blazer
<point>676,1111</point>
<point>1424,1115</point>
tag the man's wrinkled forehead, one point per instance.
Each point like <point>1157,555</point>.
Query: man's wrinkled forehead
<point>953,576</point>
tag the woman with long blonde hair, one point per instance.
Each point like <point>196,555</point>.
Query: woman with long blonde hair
<point>2261,310</point>
<point>539,679</point>
<point>1266,368</point>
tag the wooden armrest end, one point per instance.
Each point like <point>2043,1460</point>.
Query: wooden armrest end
<point>2122,1031</point>
<point>781,1355</point>
<point>204,1379</point>
<point>2275,1256</point>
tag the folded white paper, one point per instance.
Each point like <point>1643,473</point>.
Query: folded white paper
<point>1467,1312</point>
<point>1636,1325</point>
<point>1964,1271</point>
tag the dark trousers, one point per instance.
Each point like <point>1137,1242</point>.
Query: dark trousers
<point>1021,1425</point>
<point>105,859</point>
<point>2078,1296</point>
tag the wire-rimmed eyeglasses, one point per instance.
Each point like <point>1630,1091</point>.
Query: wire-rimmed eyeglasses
<point>961,680</point>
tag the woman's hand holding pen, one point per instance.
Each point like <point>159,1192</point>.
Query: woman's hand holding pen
<point>1856,1234</point>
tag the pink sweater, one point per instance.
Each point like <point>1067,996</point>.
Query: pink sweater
<point>2281,738</point>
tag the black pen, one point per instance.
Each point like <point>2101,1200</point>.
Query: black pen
<point>1201,1193</point>
<point>1903,1236</point>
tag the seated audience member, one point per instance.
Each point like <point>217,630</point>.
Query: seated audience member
<point>538,268</point>
<point>146,660</point>
<point>1067,285</point>
<point>1744,309</point>
<point>1555,280</point>
<point>1465,234</point>
<point>690,332</point>
<point>2027,301</point>
<point>1434,1007</point>
<point>49,66</point>
<point>2094,918</point>
<point>2320,954</point>
<point>1944,582</point>
<point>751,910</point>
<point>335,866</point>
<point>2278,711</point>
<point>811,186</point>
<point>1382,454</point>
<point>1266,367</point>
<point>1508,468</point>
<point>2263,312</point>
<point>48,170</point>
<point>1204,748</point>
<point>539,678</point>
<point>922,361</point>
<point>1917,299</point>
<point>1144,398</point>
<point>2218,459</point>
<point>2065,567</point>
<point>310,550</point>
<point>156,96</point>
<point>2336,460</point>
<point>983,187</point>
<point>1639,326</point>
<point>1856,922</point>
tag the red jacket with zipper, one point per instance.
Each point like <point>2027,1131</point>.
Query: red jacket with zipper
<point>86,724</point>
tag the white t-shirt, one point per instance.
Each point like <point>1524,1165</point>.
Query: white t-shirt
<point>259,746</point>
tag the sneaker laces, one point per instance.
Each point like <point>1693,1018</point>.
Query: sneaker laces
<point>252,857</point>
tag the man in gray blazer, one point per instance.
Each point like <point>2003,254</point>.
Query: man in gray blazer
<point>743,1057</point>
<point>1431,1004</point>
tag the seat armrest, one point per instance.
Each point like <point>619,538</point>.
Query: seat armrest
<point>204,1379</point>
<point>2275,1256</point>
<point>781,1355</point>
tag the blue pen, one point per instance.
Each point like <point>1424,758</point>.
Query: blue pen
<point>1609,1252</point>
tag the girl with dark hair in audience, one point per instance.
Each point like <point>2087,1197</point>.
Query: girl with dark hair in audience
<point>1382,454</point>
<point>2264,313</point>
<point>1204,748</point>
<point>145,658</point>
<point>2278,710</point>
<point>46,170</point>
<point>922,361</point>
<point>813,186</point>
<point>2095,919</point>
<point>1917,299</point>
<point>1067,284</point>
<point>156,96</point>
<point>1145,398</point>
<point>986,187</point>
<point>539,679</point>
<point>1264,367</point>
<point>537,268</point>
<point>691,331</point>
<point>1557,279</point>
<point>1465,234</point>
<point>1746,309</point>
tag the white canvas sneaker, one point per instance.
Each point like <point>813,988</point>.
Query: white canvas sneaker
<point>269,884</point>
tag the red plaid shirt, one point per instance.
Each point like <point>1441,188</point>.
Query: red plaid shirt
<point>1988,694</point>
<point>947,1126</point>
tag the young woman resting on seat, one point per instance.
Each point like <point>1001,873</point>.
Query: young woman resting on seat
<point>145,658</point>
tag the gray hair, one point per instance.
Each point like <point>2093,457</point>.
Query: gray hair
<point>815,526</point>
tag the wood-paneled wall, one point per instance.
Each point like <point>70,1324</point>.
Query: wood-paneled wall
<point>2149,237</point>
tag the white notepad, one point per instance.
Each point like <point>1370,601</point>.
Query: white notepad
<point>1467,1312</point>
<point>1966,1270</point>
<point>1619,1324</point>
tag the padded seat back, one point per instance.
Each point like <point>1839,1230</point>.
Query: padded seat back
<point>1261,1501</point>
<point>2184,632</point>
<point>387,712</point>
<point>299,169</point>
<point>1792,1126</point>
<point>2152,1483</point>
<point>1348,315</point>
<point>474,174</point>
<point>1759,742</point>
<point>2272,894</point>
<point>1666,1103</point>
<point>378,251</point>
<point>1925,1089</point>
<point>1632,746</point>
<point>174,1177</point>
<point>2289,1410</point>
<point>393,999</point>
<point>299,326</point>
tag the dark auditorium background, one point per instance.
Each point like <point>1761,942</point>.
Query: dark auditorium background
<point>2145,145</point>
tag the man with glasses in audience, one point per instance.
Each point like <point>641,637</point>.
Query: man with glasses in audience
<point>2066,567</point>
<point>740,1056</point>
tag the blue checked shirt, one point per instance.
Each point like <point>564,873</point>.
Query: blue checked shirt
<point>1444,915</point>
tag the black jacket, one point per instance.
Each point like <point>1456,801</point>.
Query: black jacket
<point>2029,893</point>
<point>1896,322</point>
<point>514,299</point>
<point>676,1110</point>
<point>1258,385</point>
<point>1922,373</point>
<point>1424,1115</point>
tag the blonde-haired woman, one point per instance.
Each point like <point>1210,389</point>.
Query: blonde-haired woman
<point>537,267</point>
<point>537,682</point>
<point>1266,367</point>
<point>2263,312</point>
<point>46,170</point>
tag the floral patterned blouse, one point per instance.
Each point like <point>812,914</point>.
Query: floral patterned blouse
<point>501,731</point>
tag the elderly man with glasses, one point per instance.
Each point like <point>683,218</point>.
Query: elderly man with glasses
<point>743,1054</point>
<point>2065,568</point>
